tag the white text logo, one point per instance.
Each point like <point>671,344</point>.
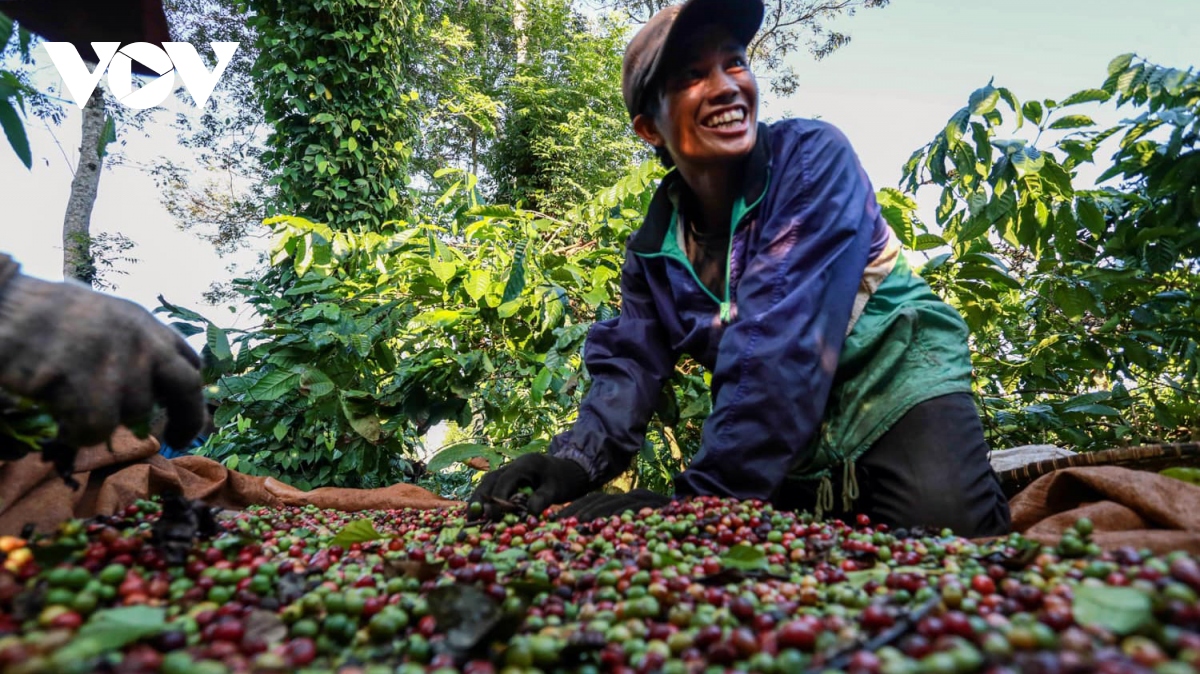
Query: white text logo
<point>179,57</point>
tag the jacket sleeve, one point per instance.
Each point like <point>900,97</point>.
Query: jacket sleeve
<point>777,360</point>
<point>629,361</point>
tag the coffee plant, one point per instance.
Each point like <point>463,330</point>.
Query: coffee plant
<point>476,315</point>
<point>1082,301</point>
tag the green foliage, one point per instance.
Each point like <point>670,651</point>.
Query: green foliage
<point>566,131</point>
<point>1083,304</point>
<point>381,335</point>
<point>1120,609</point>
<point>13,92</point>
<point>333,83</point>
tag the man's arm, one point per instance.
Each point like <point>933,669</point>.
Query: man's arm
<point>629,361</point>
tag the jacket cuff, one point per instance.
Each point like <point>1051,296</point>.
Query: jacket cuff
<point>596,467</point>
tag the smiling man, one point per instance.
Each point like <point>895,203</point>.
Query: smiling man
<point>835,370</point>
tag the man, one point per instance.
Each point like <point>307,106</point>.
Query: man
<point>764,256</point>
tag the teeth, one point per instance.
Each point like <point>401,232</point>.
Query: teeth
<point>726,118</point>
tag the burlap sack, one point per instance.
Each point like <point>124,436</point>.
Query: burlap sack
<point>1128,507</point>
<point>32,493</point>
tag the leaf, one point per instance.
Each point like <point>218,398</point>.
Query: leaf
<point>974,227</point>
<point>745,557</point>
<point>946,206</point>
<point>107,135</point>
<point>1012,103</point>
<point>509,308</point>
<point>265,626</point>
<point>455,454</point>
<point>14,130</point>
<point>1189,475</point>
<point>540,384</point>
<point>316,382</point>
<point>1121,610</point>
<point>110,630</point>
<point>1028,160</point>
<point>1095,410</point>
<point>478,283</point>
<point>218,343</point>
<point>1091,217</point>
<point>1072,122</point>
<point>1032,111</point>
<point>186,329</point>
<point>897,208</point>
<point>472,620</point>
<point>1086,96</point>
<point>1058,178</point>
<point>927,241</point>
<point>6,31</point>
<point>358,531</point>
<point>1119,63</point>
<point>957,126</point>
<point>879,573</point>
<point>443,269</point>
<point>367,426</point>
<point>273,386</point>
<point>984,100</point>
<point>493,211</point>
<point>516,274</point>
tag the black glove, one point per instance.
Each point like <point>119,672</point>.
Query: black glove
<point>552,479</point>
<point>95,361</point>
<point>597,505</point>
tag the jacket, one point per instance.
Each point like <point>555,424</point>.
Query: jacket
<point>808,250</point>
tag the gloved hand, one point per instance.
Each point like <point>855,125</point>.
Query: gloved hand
<point>552,479</point>
<point>95,361</point>
<point>599,504</point>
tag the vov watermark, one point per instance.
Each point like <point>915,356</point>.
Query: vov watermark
<point>179,57</point>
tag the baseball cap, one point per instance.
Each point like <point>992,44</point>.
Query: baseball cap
<point>665,31</point>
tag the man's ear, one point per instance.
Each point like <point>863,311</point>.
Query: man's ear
<point>645,126</point>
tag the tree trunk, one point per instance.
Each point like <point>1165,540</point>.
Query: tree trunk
<point>77,260</point>
<point>519,24</point>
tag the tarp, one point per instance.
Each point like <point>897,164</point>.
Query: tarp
<point>1128,507</point>
<point>33,493</point>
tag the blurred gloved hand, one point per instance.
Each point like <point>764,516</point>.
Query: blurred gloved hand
<point>95,361</point>
<point>599,504</point>
<point>553,480</point>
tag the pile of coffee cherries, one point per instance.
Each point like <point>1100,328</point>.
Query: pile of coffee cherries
<point>706,585</point>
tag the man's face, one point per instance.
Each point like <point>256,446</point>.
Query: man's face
<point>709,103</point>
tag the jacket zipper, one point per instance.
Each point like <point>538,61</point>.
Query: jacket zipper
<point>725,306</point>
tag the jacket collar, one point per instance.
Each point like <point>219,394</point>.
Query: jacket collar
<point>649,237</point>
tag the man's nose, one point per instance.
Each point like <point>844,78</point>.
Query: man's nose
<point>722,85</point>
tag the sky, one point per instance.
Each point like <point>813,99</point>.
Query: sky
<point>907,69</point>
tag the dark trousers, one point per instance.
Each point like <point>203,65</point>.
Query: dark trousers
<point>930,469</point>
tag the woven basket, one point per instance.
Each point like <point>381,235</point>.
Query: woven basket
<point>1148,457</point>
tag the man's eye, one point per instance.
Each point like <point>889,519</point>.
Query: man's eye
<point>737,62</point>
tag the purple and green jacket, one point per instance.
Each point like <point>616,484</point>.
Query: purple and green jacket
<point>822,340</point>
